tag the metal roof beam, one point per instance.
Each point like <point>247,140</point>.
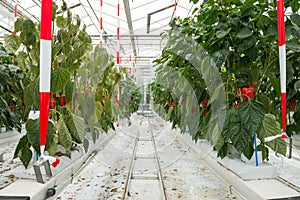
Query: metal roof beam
<point>152,13</point>
<point>129,23</point>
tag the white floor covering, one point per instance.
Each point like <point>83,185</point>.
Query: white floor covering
<point>185,177</point>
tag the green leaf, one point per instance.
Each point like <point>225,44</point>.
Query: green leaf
<point>264,151</point>
<point>28,38</point>
<point>249,150</point>
<point>61,58</point>
<point>3,104</point>
<point>247,5</point>
<point>223,152</point>
<point>73,126</point>
<point>104,125</point>
<point>99,109</point>
<point>252,114</point>
<point>80,126</point>
<point>295,5</point>
<point>234,131</point>
<point>297,85</point>
<point>218,91</point>
<point>249,43</point>
<point>293,46</point>
<point>86,144</point>
<point>275,83</point>
<point>211,18</point>
<point>270,127</point>
<point>271,31</point>
<point>216,137</point>
<point>54,9</point>
<point>23,143</point>
<point>31,95</point>
<point>24,25</point>
<point>244,33</point>
<point>26,156</point>
<point>265,100</point>
<point>13,42</point>
<point>295,18</point>
<point>33,133</point>
<point>52,144</point>
<point>59,77</point>
<point>64,136</point>
<point>69,89</point>
<point>108,107</point>
<point>222,33</point>
<point>61,22</point>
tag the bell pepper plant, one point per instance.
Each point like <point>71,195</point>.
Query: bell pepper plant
<point>238,40</point>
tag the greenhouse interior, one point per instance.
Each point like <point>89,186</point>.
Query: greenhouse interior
<point>152,99</point>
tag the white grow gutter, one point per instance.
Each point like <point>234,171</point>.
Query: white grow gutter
<point>30,189</point>
<point>252,189</point>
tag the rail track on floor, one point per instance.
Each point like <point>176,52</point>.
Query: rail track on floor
<point>135,157</point>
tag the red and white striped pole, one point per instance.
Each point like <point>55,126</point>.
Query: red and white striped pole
<point>101,23</point>
<point>15,14</point>
<point>282,62</point>
<point>175,5</point>
<point>118,35</point>
<point>45,69</point>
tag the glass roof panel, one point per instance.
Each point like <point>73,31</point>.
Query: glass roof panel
<point>144,36</point>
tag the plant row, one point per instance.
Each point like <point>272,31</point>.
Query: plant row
<point>220,71</point>
<point>85,86</point>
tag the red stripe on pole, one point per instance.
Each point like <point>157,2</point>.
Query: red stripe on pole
<point>15,15</point>
<point>44,112</point>
<point>283,111</point>
<point>101,21</point>
<point>15,10</point>
<point>175,5</point>
<point>101,3</point>
<point>118,33</point>
<point>118,9</point>
<point>118,57</point>
<point>280,19</point>
<point>46,20</point>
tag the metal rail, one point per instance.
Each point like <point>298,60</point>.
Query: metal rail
<point>159,172</point>
<point>158,168</point>
<point>129,174</point>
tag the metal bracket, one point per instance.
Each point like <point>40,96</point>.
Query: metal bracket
<point>37,170</point>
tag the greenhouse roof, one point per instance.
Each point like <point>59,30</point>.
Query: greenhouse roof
<point>141,22</point>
